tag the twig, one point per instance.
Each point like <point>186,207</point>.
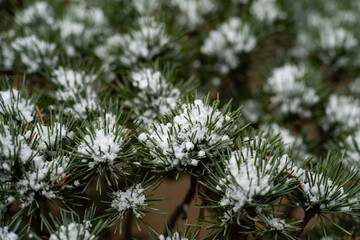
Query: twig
<point>183,207</point>
<point>240,231</point>
<point>309,214</point>
<point>196,189</point>
<point>201,218</point>
<point>42,209</point>
<point>236,233</point>
<point>128,224</point>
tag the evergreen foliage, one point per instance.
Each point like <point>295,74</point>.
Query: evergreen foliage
<point>257,102</point>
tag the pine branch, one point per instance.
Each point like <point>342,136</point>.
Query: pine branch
<point>183,207</point>
<point>128,225</point>
<point>309,214</point>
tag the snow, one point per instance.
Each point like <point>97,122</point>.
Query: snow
<point>5,234</point>
<point>35,53</point>
<point>192,12</point>
<point>342,111</point>
<point>39,14</point>
<point>72,82</point>
<point>7,55</point>
<point>248,176</point>
<point>329,37</point>
<point>51,136</point>
<point>16,146</point>
<point>132,198</point>
<point>145,6</point>
<point>267,11</point>
<point>278,224</point>
<point>318,188</point>
<point>81,27</point>
<point>352,144</point>
<point>156,95</point>
<point>288,87</point>
<point>175,236</point>
<point>83,106</point>
<point>101,147</point>
<point>147,79</point>
<point>15,104</point>
<point>145,42</point>
<point>247,182</point>
<point>102,143</point>
<point>72,231</point>
<point>229,40</point>
<point>41,179</point>
<point>185,140</point>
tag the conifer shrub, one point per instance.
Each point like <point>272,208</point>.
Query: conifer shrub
<point>255,102</point>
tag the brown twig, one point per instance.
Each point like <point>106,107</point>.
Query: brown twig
<point>183,207</point>
<point>309,214</point>
<point>196,189</point>
<point>128,224</point>
<point>201,218</point>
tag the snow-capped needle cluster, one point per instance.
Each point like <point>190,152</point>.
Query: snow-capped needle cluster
<point>227,42</point>
<point>292,143</point>
<point>41,179</point>
<point>133,198</point>
<point>14,147</point>
<point>76,90</point>
<point>143,7</point>
<point>328,37</point>
<point>355,87</point>
<point>156,95</point>
<point>267,11</point>
<point>342,112</point>
<point>278,224</point>
<point>144,42</point>
<point>49,137</point>
<point>289,90</point>
<point>323,193</point>
<point>192,12</point>
<point>104,143</point>
<point>34,53</point>
<point>74,231</point>
<point>25,169</point>
<point>287,138</point>
<point>249,176</point>
<point>195,131</point>
<point>352,145</point>
<point>81,28</point>
<point>175,236</point>
<point>38,13</point>
<point>7,54</point>
<point>12,103</point>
